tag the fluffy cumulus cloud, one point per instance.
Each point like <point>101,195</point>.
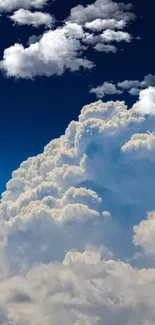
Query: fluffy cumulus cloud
<point>106,88</point>
<point>62,217</point>
<point>9,5</point>
<point>117,36</point>
<point>144,234</point>
<point>146,103</point>
<point>99,26</point>
<point>133,87</point>
<point>100,47</point>
<point>56,51</point>
<point>26,17</point>
<point>102,9</point>
<point>104,18</point>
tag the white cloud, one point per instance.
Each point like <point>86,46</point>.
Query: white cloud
<point>100,47</point>
<point>101,9</point>
<point>146,103</point>
<point>144,234</point>
<point>8,5</point>
<point>36,18</point>
<point>106,88</point>
<point>135,86</point>
<point>98,25</point>
<point>55,52</point>
<point>134,91</point>
<point>141,144</point>
<point>115,36</point>
<point>128,84</point>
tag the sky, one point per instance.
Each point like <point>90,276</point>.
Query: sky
<point>36,111</point>
<point>77,168</point>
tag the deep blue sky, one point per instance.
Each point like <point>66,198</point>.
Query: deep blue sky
<point>34,112</point>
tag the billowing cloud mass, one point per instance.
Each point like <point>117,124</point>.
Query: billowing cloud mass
<point>99,26</point>
<point>133,87</point>
<point>26,17</point>
<point>8,5</point>
<point>73,216</point>
<point>83,289</point>
<point>56,51</point>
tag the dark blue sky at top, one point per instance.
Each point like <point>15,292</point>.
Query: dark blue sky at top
<point>35,112</point>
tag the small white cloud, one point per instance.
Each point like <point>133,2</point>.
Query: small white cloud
<point>36,18</point>
<point>115,36</point>
<point>142,145</point>
<point>106,88</point>
<point>9,5</point>
<point>100,47</point>
<point>98,25</point>
<point>134,91</point>
<point>128,84</point>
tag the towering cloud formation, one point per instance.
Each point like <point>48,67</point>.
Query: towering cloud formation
<point>71,214</point>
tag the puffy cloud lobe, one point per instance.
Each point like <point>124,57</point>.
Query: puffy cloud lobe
<point>141,144</point>
<point>9,5</point>
<point>55,52</point>
<point>146,103</point>
<point>134,91</point>
<point>144,234</point>
<point>36,18</point>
